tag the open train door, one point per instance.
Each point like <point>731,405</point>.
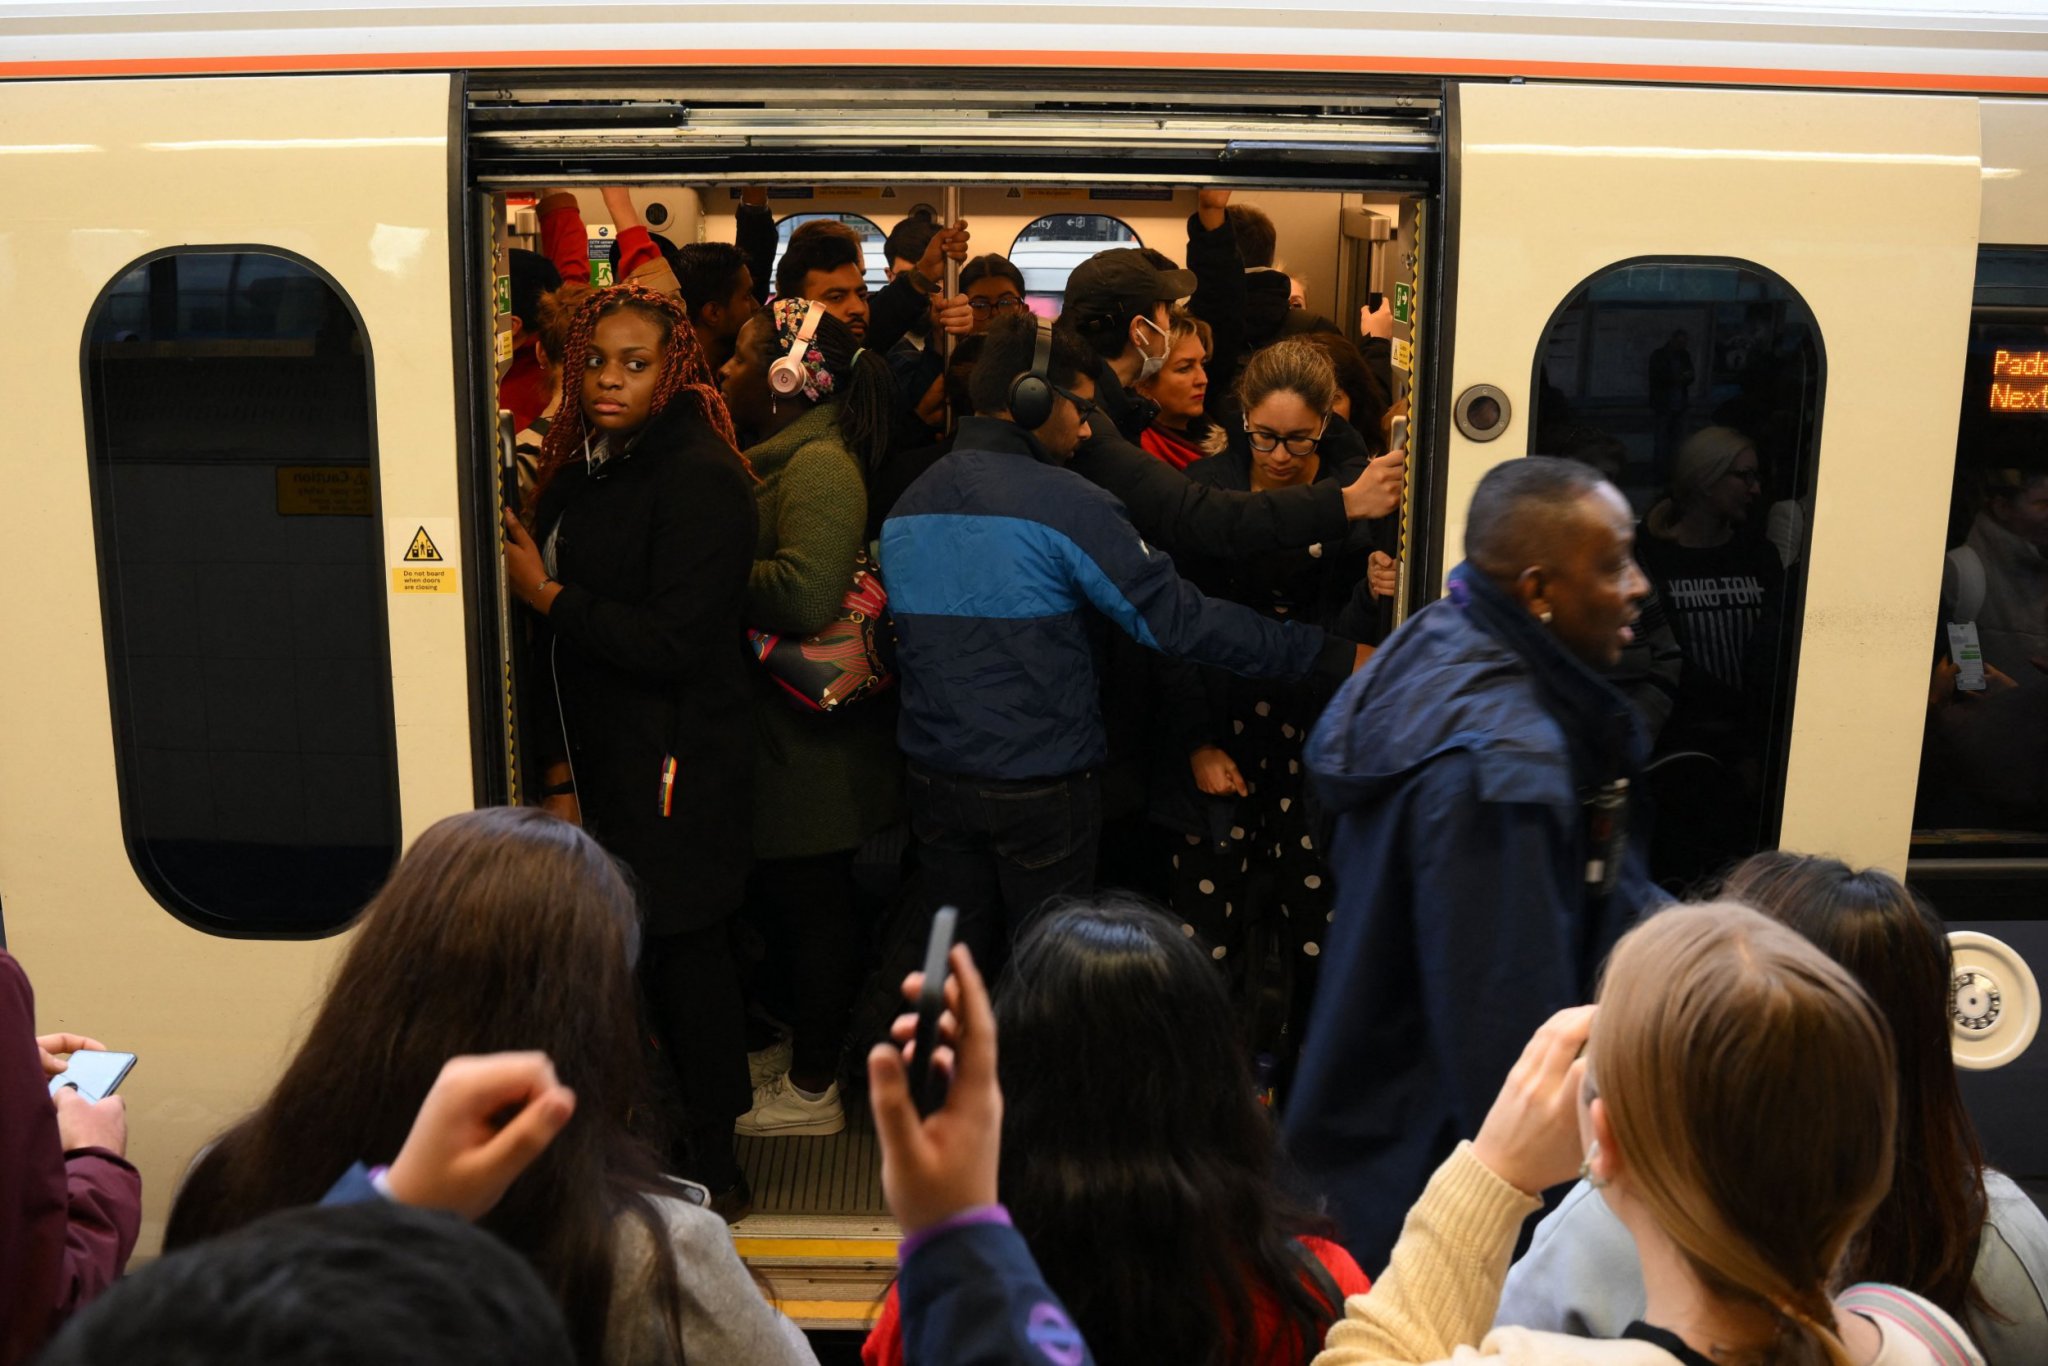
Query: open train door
<point>1811,255</point>
<point>235,679</point>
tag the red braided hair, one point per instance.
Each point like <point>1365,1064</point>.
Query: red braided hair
<point>683,371</point>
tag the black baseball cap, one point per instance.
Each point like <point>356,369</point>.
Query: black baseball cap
<point>1124,280</point>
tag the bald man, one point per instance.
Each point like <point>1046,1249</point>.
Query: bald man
<point>1479,769</point>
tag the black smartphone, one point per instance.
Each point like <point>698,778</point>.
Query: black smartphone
<point>928,1083</point>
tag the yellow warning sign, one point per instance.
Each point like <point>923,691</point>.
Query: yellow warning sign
<point>420,551</point>
<point>323,491</point>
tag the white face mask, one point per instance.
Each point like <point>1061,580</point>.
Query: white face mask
<point>1152,365</point>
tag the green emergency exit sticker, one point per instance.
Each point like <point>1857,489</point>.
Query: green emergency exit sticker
<point>504,295</point>
<point>1404,303</point>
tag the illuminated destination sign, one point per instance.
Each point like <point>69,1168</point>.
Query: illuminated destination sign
<point>2019,382</point>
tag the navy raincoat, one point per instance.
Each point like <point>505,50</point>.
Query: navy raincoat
<point>1472,767</point>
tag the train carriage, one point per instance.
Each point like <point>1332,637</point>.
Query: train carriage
<point>257,637</point>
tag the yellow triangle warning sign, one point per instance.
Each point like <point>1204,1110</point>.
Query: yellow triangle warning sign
<point>422,547</point>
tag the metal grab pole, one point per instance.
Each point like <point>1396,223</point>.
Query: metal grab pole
<point>949,212</point>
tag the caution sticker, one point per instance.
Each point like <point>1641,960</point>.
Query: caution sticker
<point>323,491</point>
<point>1403,355</point>
<point>421,553</point>
<point>501,347</point>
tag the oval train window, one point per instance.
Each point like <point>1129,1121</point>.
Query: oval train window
<point>875,265</point>
<point>1695,386</point>
<point>234,480</point>
<point>1047,249</point>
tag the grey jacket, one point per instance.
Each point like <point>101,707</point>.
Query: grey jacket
<point>726,1318</point>
<point>1580,1275</point>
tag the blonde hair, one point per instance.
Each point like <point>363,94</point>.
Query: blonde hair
<point>1292,367</point>
<point>1183,325</point>
<point>1749,1083</point>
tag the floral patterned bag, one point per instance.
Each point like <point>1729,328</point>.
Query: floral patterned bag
<point>851,659</point>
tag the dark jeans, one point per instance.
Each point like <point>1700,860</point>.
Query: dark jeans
<point>816,936</point>
<point>1000,849</point>
<point>693,1001</point>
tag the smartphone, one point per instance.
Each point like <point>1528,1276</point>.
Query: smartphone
<point>93,1073</point>
<point>927,1083</point>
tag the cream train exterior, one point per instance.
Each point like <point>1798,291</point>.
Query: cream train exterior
<point>1861,152</point>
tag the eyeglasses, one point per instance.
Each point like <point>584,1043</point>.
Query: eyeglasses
<point>1263,442</point>
<point>1085,408</point>
<point>1004,307</point>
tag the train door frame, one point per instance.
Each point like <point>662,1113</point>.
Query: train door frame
<point>1658,160</point>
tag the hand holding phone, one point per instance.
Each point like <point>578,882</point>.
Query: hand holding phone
<point>93,1073</point>
<point>927,1083</point>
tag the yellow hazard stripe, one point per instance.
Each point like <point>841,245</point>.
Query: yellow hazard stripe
<point>827,1249</point>
<point>862,1312</point>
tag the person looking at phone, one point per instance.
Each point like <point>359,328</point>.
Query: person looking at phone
<point>70,1201</point>
<point>1153,1208</point>
<point>1001,564</point>
<point>504,928</point>
<point>1480,770</point>
<point>635,561</point>
<point>1666,1097</point>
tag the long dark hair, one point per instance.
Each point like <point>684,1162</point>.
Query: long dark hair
<point>1137,1161</point>
<point>500,929</point>
<point>863,388</point>
<point>1924,1235</point>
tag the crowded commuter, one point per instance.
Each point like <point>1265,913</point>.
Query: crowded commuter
<point>1376,338</point>
<point>1241,294</point>
<point>1724,591</point>
<point>525,388</point>
<point>1000,563</point>
<point>332,1285</point>
<point>505,928</point>
<point>995,290</point>
<point>717,288</point>
<point>1118,303</point>
<point>905,245</point>
<point>1255,860</point>
<point>1740,1222</point>
<point>557,314</point>
<point>1149,1202</point>
<point>1180,432</point>
<point>1949,1228</point>
<point>969,1292</point>
<point>1362,398</point>
<point>906,463</point>
<point>1480,770</point>
<point>754,233</point>
<point>566,241</point>
<point>70,1202</point>
<point>636,563</point>
<point>823,781</point>
<point>822,263</point>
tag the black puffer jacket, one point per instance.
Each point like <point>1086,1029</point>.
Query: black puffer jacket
<point>649,660</point>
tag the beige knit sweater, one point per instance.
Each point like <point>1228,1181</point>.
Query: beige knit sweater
<point>1440,1289</point>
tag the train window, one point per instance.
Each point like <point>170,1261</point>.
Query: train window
<point>1696,386</point>
<point>235,509</point>
<point>1983,789</point>
<point>1048,249</point>
<point>875,267</point>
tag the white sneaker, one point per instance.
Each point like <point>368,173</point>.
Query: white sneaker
<point>765,1065</point>
<point>780,1112</point>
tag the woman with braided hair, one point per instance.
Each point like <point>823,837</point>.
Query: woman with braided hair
<point>637,563</point>
<point>823,782</point>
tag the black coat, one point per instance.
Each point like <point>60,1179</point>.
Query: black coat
<point>649,660</point>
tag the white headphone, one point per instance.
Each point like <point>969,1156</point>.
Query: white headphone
<point>786,376</point>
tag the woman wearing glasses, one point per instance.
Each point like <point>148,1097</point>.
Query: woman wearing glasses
<point>995,290</point>
<point>1249,878</point>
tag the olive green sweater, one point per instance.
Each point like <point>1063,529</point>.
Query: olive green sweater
<point>822,783</point>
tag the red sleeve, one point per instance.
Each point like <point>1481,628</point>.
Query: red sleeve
<point>884,1346</point>
<point>1343,1270</point>
<point>104,1205</point>
<point>564,240</point>
<point>636,249</point>
<point>32,1194</point>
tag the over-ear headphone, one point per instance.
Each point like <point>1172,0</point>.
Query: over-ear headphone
<point>1031,393</point>
<point>786,376</point>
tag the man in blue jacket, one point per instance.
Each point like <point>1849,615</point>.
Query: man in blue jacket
<point>1480,770</point>
<point>1003,567</point>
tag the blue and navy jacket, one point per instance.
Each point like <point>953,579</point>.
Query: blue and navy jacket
<point>1459,764</point>
<point>997,559</point>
